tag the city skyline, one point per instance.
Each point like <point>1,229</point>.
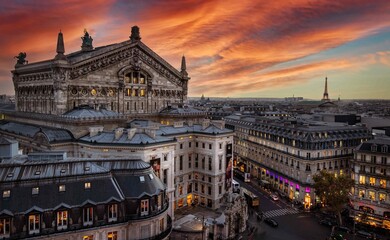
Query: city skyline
<point>244,49</point>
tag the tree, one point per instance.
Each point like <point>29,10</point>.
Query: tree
<point>333,191</point>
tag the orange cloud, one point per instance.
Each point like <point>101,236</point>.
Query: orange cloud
<point>230,46</point>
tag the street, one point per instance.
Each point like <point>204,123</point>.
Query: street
<point>293,224</point>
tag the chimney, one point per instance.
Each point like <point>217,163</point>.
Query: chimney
<point>118,133</point>
<point>93,131</point>
<point>131,132</point>
<point>151,132</point>
<point>205,123</point>
<point>219,124</point>
<point>178,124</point>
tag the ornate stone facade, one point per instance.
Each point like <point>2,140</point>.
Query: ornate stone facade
<point>126,77</point>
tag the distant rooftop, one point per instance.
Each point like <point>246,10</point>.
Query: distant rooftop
<point>88,112</point>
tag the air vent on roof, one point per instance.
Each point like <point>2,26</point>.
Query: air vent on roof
<point>87,169</point>
<point>63,171</point>
<point>9,175</point>
<point>37,172</point>
<point>151,176</point>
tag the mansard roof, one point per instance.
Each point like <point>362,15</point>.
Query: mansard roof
<point>110,180</point>
<point>29,130</point>
<point>137,139</point>
<point>381,146</point>
<point>88,112</point>
<point>185,129</point>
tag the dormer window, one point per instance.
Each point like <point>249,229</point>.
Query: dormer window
<point>4,228</point>
<point>87,185</point>
<point>34,223</point>
<point>88,216</point>
<point>35,191</point>
<point>384,148</point>
<point>62,220</point>
<point>61,188</point>
<point>373,148</point>
<point>144,207</point>
<point>112,212</point>
<point>6,193</point>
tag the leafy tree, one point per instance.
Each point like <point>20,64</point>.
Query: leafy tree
<point>333,191</point>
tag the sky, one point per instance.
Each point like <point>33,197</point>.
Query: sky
<point>246,48</point>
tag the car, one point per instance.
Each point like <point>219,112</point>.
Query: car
<point>364,234</point>
<point>272,222</point>
<point>274,197</point>
<point>344,229</point>
<point>326,222</point>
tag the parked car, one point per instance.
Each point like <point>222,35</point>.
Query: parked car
<point>344,229</point>
<point>274,197</point>
<point>364,234</point>
<point>270,221</point>
<point>327,222</point>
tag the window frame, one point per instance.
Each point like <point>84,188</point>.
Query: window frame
<point>144,207</point>
<point>35,221</point>
<point>61,220</point>
<point>88,213</point>
<point>112,212</point>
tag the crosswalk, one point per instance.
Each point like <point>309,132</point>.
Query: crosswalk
<point>280,212</point>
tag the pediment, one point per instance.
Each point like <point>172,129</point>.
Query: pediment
<point>136,55</point>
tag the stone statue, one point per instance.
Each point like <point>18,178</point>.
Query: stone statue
<point>87,41</point>
<point>21,58</point>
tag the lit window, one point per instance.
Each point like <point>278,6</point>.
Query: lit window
<point>112,212</point>
<point>144,207</point>
<point>33,223</point>
<point>62,220</point>
<point>88,216</point>
<point>4,227</point>
<point>371,195</point>
<point>89,237</point>
<point>61,188</point>
<point>362,179</point>
<point>87,185</point>
<point>382,196</point>
<point>382,183</point>
<point>372,181</point>
<point>35,190</point>
<point>6,193</point>
<point>112,235</point>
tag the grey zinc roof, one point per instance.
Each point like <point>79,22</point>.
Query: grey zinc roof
<point>21,199</point>
<point>211,129</point>
<point>5,141</point>
<point>28,130</point>
<point>117,180</point>
<point>132,187</point>
<point>87,112</point>
<point>181,111</point>
<point>43,170</point>
<point>138,138</point>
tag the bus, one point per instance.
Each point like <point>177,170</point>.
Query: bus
<point>236,186</point>
<point>251,198</point>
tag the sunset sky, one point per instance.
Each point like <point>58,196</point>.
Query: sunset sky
<point>243,48</point>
